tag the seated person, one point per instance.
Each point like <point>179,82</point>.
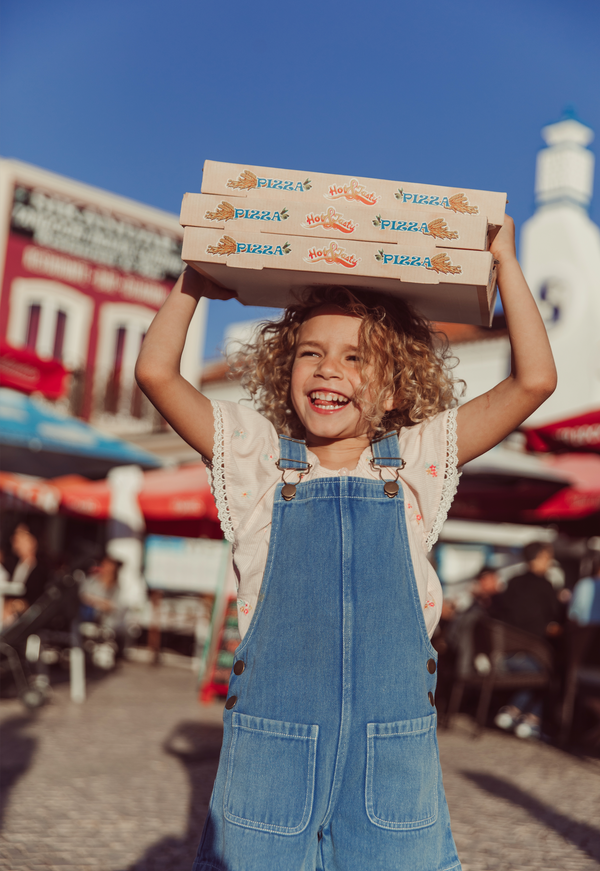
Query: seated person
<point>584,608</point>
<point>29,575</point>
<point>529,603</point>
<point>99,594</point>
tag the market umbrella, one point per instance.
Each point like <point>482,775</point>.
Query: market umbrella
<point>582,497</point>
<point>172,500</point>
<point>580,433</point>
<point>22,369</point>
<point>23,492</point>
<point>503,485</point>
<point>37,439</point>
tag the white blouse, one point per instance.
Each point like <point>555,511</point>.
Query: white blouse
<point>244,476</point>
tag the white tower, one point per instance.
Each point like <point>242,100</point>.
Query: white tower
<point>560,256</point>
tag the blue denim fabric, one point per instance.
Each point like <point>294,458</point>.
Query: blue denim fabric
<point>330,758</point>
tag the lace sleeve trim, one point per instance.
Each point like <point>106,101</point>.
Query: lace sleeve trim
<point>216,473</point>
<point>451,478</point>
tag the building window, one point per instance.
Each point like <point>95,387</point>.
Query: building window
<point>137,397</point>
<point>33,326</point>
<point>59,335</point>
<point>114,382</point>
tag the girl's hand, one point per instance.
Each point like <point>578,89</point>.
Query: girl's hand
<point>503,247</point>
<point>197,285</point>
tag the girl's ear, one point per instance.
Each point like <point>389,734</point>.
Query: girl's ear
<point>389,403</point>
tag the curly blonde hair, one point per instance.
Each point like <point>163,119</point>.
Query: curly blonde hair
<point>401,357</point>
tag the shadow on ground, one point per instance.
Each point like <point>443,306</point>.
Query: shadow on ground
<point>584,836</point>
<point>197,747</point>
<point>18,749</point>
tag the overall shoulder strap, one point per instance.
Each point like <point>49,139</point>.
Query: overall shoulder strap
<point>386,451</point>
<point>292,454</point>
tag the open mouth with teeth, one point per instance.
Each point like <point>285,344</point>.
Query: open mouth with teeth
<point>325,400</point>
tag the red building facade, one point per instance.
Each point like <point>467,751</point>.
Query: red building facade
<point>83,274</point>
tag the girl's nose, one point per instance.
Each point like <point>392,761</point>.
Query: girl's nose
<point>329,367</point>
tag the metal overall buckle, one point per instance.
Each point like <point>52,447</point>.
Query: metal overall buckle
<point>390,488</point>
<point>288,491</point>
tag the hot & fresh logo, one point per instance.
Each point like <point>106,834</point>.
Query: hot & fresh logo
<point>354,191</point>
<point>333,253</point>
<point>329,220</point>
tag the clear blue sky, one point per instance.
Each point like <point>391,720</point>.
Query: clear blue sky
<point>134,95</point>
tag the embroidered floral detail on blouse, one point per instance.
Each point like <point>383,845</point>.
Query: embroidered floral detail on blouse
<point>418,517</point>
<point>246,494</point>
<point>239,434</point>
<point>244,607</point>
<point>429,604</point>
<point>268,456</point>
<point>432,470</point>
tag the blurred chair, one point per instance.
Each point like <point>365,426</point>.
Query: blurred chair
<point>582,681</point>
<point>22,641</point>
<point>482,651</point>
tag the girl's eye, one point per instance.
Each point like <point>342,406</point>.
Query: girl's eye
<point>308,354</point>
<point>354,358</point>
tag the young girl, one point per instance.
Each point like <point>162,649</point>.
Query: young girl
<point>332,498</point>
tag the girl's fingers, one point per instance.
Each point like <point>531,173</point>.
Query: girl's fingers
<point>504,242</point>
<point>199,285</point>
<point>211,291</point>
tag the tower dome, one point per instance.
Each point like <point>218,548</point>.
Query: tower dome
<point>565,168</point>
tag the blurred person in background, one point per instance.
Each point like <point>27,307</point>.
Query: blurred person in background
<point>584,608</point>
<point>30,572</point>
<point>529,603</point>
<point>486,589</point>
<point>459,634</point>
<point>99,595</point>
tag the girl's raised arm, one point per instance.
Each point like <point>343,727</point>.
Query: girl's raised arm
<point>157,369</point>
<point>487,419</point>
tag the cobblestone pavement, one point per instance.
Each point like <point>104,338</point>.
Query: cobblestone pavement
<point>122,783</point>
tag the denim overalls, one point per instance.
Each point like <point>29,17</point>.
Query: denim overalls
<point>330,758</point>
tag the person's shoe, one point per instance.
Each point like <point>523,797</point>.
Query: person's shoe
<point>506,719</point>
<point>528,729</point>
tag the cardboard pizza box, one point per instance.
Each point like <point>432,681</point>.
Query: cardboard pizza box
<point>458,286</point>
<point>335,221</point>
<point>377,195</point>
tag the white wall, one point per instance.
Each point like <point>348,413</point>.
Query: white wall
<point>560,253</point>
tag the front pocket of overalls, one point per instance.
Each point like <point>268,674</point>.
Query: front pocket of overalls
<point>401,790</point>
<point>270,774</point>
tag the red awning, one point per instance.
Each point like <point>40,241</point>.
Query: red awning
<point>167,495</point>
<point>82,497</point>
<point>174,494</point>
<point>581,433</point>
<point>22,491</point>
<point>21,369</point>
<point>578,500</point>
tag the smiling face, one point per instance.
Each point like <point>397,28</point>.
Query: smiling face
<point>326,377</point>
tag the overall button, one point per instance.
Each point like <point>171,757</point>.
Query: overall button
<point>231,702</point>
<point>430,666</point>
<point>429,696</point>
<point>239,667</point>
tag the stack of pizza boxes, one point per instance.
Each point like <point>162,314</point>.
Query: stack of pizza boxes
<point>268,233</point>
